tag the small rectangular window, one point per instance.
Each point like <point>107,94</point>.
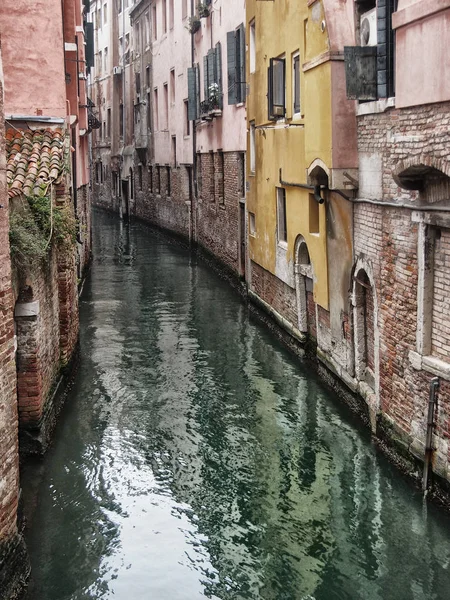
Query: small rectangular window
<point>281,215</point>
<point>313,215</point>
<point>147,29</point>
<point>171,14</point>
<point>187,124</point>
<point>140,176</point>
<point>251,223</point>
<point>105,14</point>
<point>252,47</point>
<point>155,110</point>
<point>184,9</point>
<point>172,86</point>
<point>252,147</point>
<point>108,116</point>
<point>154,24</point>
<point>164,16</point>
<point>296,83</point>
<point>150,178</point>
<point>166,106</point>
<point>158,179</point>
<point>277,88</point>
<point>169,182</point>
<point>121,119</point>
<point>174,150</point>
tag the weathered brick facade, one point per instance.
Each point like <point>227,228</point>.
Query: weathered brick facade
<point>164,197</point>
<point>13,558</point>
<point>217,209</point>
<point>392,342</point>
<point>389,239</point>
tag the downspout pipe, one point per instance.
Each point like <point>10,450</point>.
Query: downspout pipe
<point>432,402</point>
<point>314,188</point>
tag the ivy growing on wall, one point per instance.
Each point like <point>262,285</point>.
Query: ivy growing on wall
<point>36,225</point>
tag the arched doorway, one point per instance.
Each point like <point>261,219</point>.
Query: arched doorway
<point>303,272</point>
<point>364,325</point>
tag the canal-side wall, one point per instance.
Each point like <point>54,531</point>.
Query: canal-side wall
<point>164,198</point>
<point>220,177</point>
<point>13,557</point>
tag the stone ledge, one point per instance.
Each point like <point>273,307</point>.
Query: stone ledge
<point>431,364</point>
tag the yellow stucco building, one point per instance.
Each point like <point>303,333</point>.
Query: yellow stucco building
<point>301,162</point>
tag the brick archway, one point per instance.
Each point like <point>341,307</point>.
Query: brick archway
<point>365,331</point>
<point>303,272</point>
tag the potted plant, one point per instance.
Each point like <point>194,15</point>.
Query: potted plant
<point>214,97</point>
<point>194,24</point>
<point>203,10</point>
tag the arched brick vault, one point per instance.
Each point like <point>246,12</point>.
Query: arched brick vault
<point>411,172</point>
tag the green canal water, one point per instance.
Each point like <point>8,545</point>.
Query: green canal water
<point>196,458</point>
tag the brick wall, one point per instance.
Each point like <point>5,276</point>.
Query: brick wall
<point>217,210</point>
<point>84,220</point>
<point>13,559</point>
<point>387,240</point>
<point>153,202</point>
<point>275,292</point>
<point>440,331</point>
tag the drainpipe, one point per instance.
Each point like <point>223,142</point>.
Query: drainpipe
<point>432,403</point>
<point>304,186</point>
<point>194,147</point>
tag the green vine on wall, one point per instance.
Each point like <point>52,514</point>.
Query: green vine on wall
<point>35,226</point>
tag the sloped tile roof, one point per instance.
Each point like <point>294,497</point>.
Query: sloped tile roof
<point>34,158</point>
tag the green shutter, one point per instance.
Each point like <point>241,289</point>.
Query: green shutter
<point>218,59</point>
<point>197,89</point>
<point>231,60</point>
<point>211,68</point>
<point>205,77</point>
<point>241,74</point>
<point>192,94</point>
<point>89,51</point>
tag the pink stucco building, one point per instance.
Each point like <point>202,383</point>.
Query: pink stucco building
<point>220,97</point>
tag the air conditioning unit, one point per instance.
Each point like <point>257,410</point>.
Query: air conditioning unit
<point>278,111</point>
<point>368,28</point>
<point>117,70</point>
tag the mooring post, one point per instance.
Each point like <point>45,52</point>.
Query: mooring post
<point>432,401</point>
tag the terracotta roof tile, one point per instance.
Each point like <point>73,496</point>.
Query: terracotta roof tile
<point>35,158</point>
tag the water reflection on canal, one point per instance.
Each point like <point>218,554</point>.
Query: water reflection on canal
<point>196,458</point>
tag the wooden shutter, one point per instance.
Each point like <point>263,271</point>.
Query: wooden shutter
<point>218,60</point>
<point>192,94</point>
<point>89,32</point>
<point>361,72</point>
<point>211,68</point>
<point>231,60</point>
<point>205,77</point>
<point>241,74</point>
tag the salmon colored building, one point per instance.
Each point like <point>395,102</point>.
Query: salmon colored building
<point>45,121</point>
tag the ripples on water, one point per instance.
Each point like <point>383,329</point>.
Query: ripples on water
<point>196,458</point>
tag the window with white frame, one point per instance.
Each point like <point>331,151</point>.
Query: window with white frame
<point>252,147</point>
<point>252,47</point>
<point>251,223</point>
<point>277,88</point>
<point>281,215</point>
<point>296,84</point>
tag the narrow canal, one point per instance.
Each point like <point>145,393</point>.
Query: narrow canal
<point>196,458</point>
